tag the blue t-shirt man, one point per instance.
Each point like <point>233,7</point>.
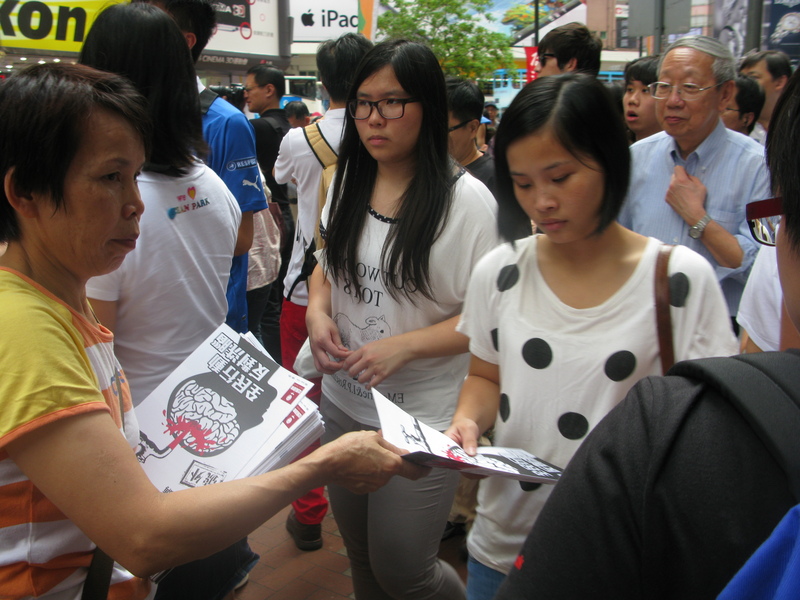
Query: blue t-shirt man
<point>232,156</point>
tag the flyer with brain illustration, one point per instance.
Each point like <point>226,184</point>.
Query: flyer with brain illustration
<point>429,447</point>
<point>228,411</point>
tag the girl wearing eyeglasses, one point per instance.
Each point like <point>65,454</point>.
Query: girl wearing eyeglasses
<point>404,225</point>
<point>563,323</point>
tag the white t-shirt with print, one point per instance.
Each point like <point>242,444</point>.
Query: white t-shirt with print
<point>170,291</point>
<point>425,388</point>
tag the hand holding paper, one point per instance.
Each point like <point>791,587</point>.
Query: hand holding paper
<point>428,447</point>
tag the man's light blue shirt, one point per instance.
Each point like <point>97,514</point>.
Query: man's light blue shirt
<point>734,172</point>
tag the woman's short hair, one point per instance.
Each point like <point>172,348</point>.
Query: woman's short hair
<point>143,43</point>
<point>783,157</point>
<point>44,111</point>
<point>582,116</point>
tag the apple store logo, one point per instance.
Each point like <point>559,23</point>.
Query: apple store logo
<point>329,18</point>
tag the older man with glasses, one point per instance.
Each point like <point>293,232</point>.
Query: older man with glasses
<point>691,182</point>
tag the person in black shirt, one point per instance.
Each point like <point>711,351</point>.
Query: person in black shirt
<point>465,108</point>
<point>263,90</point>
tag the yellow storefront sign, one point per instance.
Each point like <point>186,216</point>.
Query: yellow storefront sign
<point>60,26</point>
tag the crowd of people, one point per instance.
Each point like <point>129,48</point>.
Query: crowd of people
<point>494,274</point>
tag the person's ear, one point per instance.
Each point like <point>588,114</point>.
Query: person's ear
<point>23,202</point>
<point>191,38</point>
<point>748,118</point>
<point>728,90</point>
<point>781,82</point>
<point>572,65</point>
<point>473,126</point>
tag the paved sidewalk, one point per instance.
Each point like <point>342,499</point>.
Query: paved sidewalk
<point>286,573</point>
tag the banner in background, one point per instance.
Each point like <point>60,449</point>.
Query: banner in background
<point>368,18</point>
<point>531,62</point>
<point>321,20</point>
<point>246,27</point>
<point>784,27</point>
<point>730,24</point>
<point>59,26</point>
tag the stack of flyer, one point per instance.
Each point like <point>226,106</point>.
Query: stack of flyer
<point>228,411</point>
<point>427,446</point>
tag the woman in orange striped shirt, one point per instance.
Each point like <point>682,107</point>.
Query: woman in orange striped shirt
<point>72,142</point>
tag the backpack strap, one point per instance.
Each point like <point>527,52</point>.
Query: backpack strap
<point>309,262</point>
<point>207,98</point>
<point>322,150</point>
<point>279,126</point>
<point>765,388</point>
<point>327,157</point>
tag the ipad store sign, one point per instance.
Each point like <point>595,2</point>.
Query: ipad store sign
<point>317,21</point>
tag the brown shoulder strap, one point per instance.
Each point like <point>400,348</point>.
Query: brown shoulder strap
<point>319,145</point>
<point>663,318</point>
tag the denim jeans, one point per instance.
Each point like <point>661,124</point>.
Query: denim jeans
<point>482,581</point>
<point>210,578</point>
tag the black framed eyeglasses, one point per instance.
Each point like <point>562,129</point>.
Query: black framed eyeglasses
<point>388,108</point>
<point>459,126</point>
<point>763,217</point>
<point>544,56</point>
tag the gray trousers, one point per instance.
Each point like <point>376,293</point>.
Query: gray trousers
<point>392,535</point>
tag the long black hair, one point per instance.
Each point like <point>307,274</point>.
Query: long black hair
<point>583,117</point>
<point>143,43</point>
<point>423,211</point>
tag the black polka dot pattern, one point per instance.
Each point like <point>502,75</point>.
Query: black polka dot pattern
<point>620,365</point>
<point>529,486</point>
<point>508,277</point>
<point>573,426</point>
<point>505,407</point>
<point>537,353</point>
<point>494,339</point>
<point>678,289</point>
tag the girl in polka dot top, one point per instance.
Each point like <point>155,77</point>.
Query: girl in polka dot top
<point>562,323</point>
